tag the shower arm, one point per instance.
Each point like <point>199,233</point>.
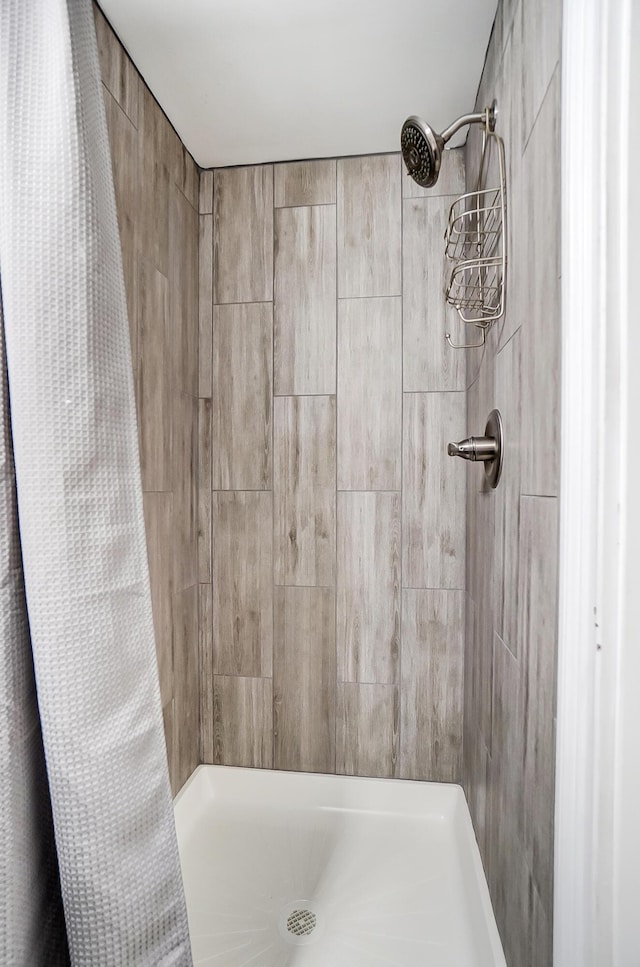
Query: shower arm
<point>486,117</point>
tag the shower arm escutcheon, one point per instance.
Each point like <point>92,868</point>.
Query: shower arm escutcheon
<point>487,448</point>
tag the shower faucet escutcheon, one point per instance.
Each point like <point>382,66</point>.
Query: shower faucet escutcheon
<point>487,448</point>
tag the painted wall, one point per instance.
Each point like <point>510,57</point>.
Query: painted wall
<point>332,524</point>
<point>156,183</point>
<point>512,537</point>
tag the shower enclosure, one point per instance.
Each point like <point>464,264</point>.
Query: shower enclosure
<point>331,593</point>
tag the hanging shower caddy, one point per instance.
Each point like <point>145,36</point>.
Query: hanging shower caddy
<point>475,245</point>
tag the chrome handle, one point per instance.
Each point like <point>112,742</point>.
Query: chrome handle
<point>474,448</point>
<point>487,448</point>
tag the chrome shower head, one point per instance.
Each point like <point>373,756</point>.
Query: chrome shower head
<point>422,148</point>
<point>421,151</point>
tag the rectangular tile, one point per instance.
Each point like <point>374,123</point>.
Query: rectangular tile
<point>186,682</point>
<point>155,422</point>
<point>434,489</point>
<point>305,183</point>
<point>242,397</point>
<point>123,144</point>
<point>304,679</point>
<point>204,491</point>
<point>367,722</point>
<point>205,305</point>
<point>169,738</point>
<point>429,362</point>
<point>370,394</point>
<point>538,633</point>
<point>158,521</point>
<point>451,180</point>
<point>241,576</point>
<point>183,290</point>
<point>369,226</point>
<point>433,625</point>
<point>243,234</point>
<point>542,45</point>
<point>368,587</point>
<point>154,130</point>
<point>117,70</point>
<point>205,604</point>
<point>185,173</point>
<point>507,395</point>
<point>243,722</point>
<point>184,547</point>
<point>541,331</point>
<point>304,490</point>
<point>305,301</point>
<point>205,198</point>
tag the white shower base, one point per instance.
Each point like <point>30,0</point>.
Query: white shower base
<point>285,868</point>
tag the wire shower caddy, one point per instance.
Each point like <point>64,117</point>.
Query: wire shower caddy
<point>475,244</point>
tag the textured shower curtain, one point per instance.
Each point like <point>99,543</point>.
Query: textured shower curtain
<point>89,868</point>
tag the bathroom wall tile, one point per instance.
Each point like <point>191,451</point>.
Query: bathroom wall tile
<point>481,583</point>
<point>305,183</point>
<point>242,583</point>
<point>369,394</point>
<point>305,300</point>
<point>186,175</point>
<point>243,234</point>
<point>123,143</point>
<point>183,290</point>
<point>507,495</point>
<point>367,723</point>
<point>158,520</point>
<point>506,798</point>
<point>205,198</point>
<point>205,650</point>
<point>186,682</point>
<point>117,70</point>
<point>541,932</point>
<point>541,333</point>
<point>154,181</point>
<point>204,491</point>
<point>243,722</point>
<point>304,679</point>
<point>169,737</point>
<point>369,226</point>
<point>434,490</point>
<point>510,884</point>
<point>538,614</point>
<point>155,420</point>
<point>205,304</point>
<point>184,548</point>
<point>433,625</point>
<point>429,363</point>
<point>241,404</point>
<point>451,180</point>
<point>368,587</point>
<point>542,44</point>
<point>304,490</point>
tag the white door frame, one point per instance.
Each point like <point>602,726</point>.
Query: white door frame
<point>597,846</point>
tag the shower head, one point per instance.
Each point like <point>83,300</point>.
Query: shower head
<point>422,148</point>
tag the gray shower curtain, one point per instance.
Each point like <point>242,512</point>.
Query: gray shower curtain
<point>89,869</point>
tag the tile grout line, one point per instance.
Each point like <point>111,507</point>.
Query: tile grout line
<point>335,577</point>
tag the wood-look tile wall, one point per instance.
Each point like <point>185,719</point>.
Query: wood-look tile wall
<point>157,185</point>
<point>512,537</point>
<point>332,535</point>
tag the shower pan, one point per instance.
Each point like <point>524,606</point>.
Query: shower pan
<point>331,871</point>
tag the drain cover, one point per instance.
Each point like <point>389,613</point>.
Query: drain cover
<point>301,923</point>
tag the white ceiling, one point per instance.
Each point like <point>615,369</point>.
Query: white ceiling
<point>247,81</point>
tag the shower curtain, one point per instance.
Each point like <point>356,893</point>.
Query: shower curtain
<point>89,868</point>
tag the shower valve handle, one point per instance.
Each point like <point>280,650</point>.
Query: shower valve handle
<point>474,448</point>
<point>488,448</point>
